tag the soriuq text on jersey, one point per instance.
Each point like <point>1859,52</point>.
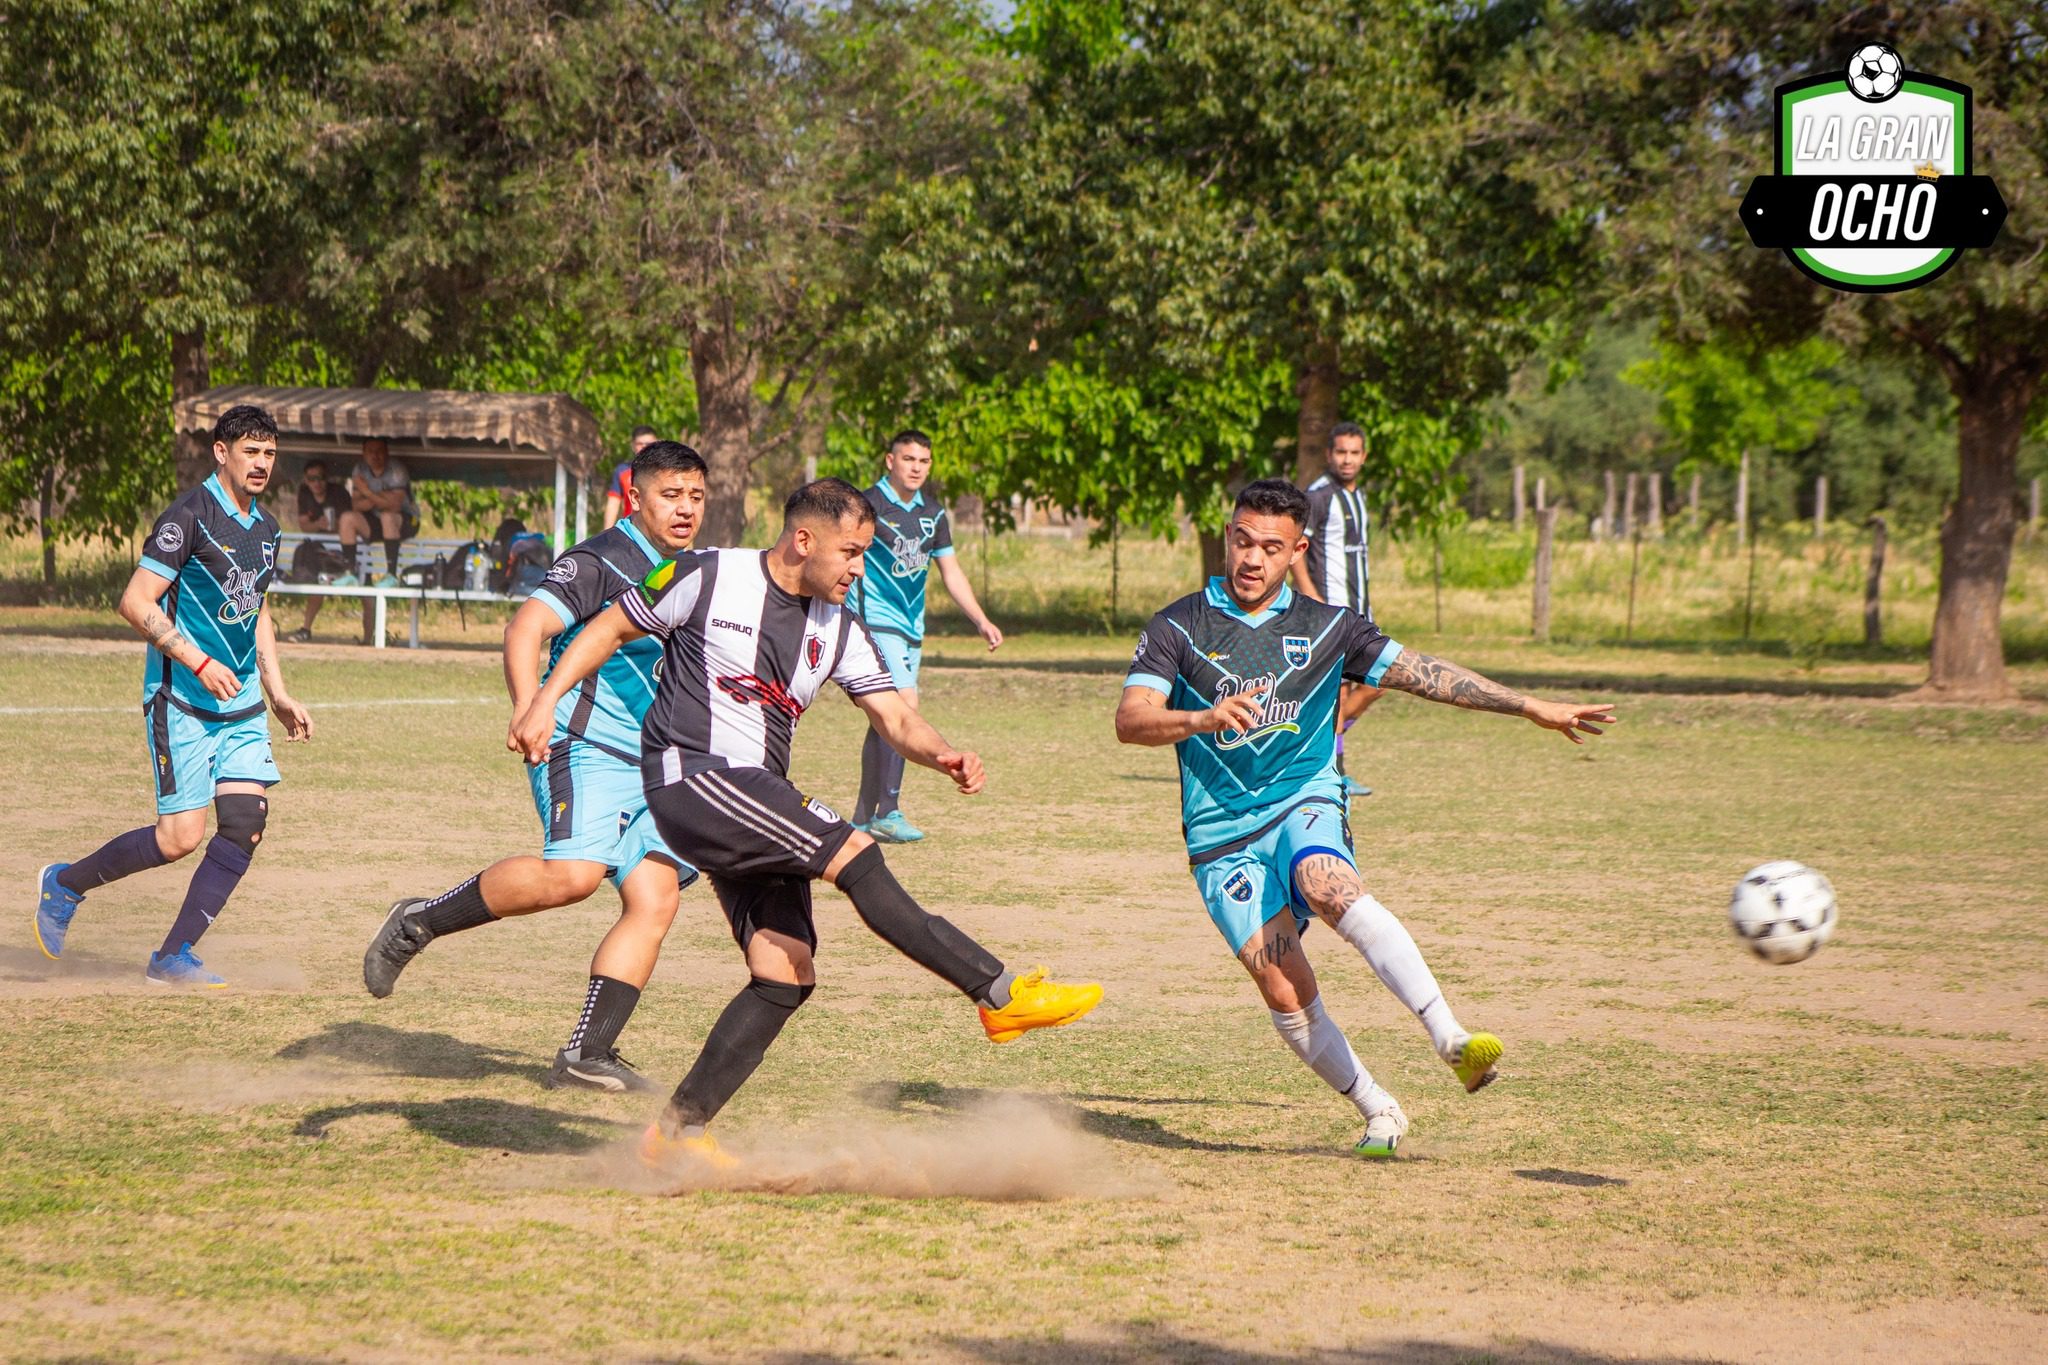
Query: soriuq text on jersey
<point>1276,716</point>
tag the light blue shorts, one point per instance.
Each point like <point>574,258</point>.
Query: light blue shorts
<point>1245,888</point>
<point>593,809</point>
<point>189,757</point>
<point>900,657</point>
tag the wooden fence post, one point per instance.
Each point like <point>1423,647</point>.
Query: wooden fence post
<point>1635,562</point>
<point>1607,507</point>
<point>1521,496</point>
<point>1656,514</point>
<point>1546,536</point>
<point>1628,503</point>
<point>1692,504</point>
<point>2034,508</point>
<point>1820,507</point>
<point>1873,586</point>
<point>1542,487</point>
<point>1742,513</point>
<point>1437,553</point>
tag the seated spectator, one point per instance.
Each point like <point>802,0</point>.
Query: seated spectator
<point>380,494</point>
<point>616,502</point>
<point>322,505</point>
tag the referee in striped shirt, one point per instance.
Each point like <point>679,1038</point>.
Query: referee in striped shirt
<point>1335,568</point>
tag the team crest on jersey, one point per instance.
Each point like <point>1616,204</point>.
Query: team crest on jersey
<point>1238,886</point>
<point>814,650</point>
<point>170,537</point>
<point>269,555</point>
<point>821,810</point>
<point>563,572</point>
<point>1297,650</point>
<point>927,525</point>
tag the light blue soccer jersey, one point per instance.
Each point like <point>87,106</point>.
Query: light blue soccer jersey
<point>908,536</point>
<point>220,562</point>
<point>1236,785</point>
<point>608,708</point>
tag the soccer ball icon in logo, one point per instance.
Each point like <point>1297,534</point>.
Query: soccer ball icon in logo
<point>1875,73</point>
<point>1784,911</point>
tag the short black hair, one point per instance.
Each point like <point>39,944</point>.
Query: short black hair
<point>1345,429</point>
<point>667,457</point>
<point>244,419</point>
<point>638,432</point>
<point>910,436</point>
<point>829,500</point>
<point>1273,498</point>
<point>315,463</point>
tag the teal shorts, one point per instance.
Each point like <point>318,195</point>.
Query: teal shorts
<point>189,757</point>
<point>1244,888</point>
<point>593,809</point>
<point>900,657</point>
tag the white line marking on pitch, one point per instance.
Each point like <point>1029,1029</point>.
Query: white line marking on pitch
<point>311,706</point>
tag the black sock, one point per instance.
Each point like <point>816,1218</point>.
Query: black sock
<point>889,796</point>
<point>213,881</point>
<point>124,855</point>
<point>738,1042</point>
<point>871,751</point>
<point>926,939</point>
<point>606,1008</point>
<point>461,908</point>
<point>391,557</point>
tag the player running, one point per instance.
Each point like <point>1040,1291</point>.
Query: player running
<point>1242,678</point>
<point>911,534</point>
<point>1335,567</point>
<point>586,786</point>
<point>198,598</point>
<point>749,637</point>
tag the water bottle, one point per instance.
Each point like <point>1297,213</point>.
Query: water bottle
<point>477,574</point>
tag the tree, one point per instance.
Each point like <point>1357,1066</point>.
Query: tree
<point>1719,403</point>
<point>1667,109</point>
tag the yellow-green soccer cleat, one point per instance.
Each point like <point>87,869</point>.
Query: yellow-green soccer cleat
<point>1474,1060</point>
<point>1383,1133</point>
<point>1038,1003</point>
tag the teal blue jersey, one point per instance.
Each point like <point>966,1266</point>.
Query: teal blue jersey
<point>908,536</point>
<point>1236,785</point>
<point>607,709</point>
<point>220,563</point>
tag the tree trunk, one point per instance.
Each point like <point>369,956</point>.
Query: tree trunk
<point>47,508</point>
<point>190,374</point>
<point>1992,398</point>
<point>1212,552</point>
<point>1318,384</point>
<point>724,372</point>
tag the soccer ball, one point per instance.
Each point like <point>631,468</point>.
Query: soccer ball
<point>1784,911</point>
<point>1875,73</point>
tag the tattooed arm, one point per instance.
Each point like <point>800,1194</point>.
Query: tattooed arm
<point>1441,680</point>
<point>140,607</point>
<point>298,722</point>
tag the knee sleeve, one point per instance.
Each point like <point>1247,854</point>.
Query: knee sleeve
<point>933,943</point>
<point>780,994</point>
<point>239,819</point>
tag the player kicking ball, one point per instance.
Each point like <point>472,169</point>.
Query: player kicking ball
<point>198,598</point>
<point>1243,679</point>
<point>749,637</point>
<point>586,785</point>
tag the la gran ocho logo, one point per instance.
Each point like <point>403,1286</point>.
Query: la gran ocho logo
<point>1874,190</point>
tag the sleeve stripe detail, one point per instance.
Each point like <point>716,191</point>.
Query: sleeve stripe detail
<point>554,603</point>
<point>1388,654</point>
<point>640,613</point>
<point>1151,680</point>
<point>157,566</point>
<point>942,552</point>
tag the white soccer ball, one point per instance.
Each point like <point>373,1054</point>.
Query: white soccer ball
<point>1875,73</point>
<point>1784,911</point>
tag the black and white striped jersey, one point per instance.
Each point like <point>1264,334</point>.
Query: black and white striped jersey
<point>1336,534</point>
<point>741,660</point>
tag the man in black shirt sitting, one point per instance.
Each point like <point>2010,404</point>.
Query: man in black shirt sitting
<point>321,506</point>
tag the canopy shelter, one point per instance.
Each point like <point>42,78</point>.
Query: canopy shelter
<point>482,438</point>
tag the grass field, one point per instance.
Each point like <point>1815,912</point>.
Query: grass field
<point>1691,1156</point>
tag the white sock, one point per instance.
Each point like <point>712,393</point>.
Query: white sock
<point>1387,947</point>
<point>1317,1040</point>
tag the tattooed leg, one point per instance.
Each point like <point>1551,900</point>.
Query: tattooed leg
<point>1334,891</point>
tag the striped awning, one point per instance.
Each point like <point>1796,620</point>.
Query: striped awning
<point>518,428</point>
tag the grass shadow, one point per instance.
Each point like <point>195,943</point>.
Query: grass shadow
<point>1142,1344</point>
<point>479,1123</point>
<point>1550,1175</point>
<point>908,1097</point>
<point>435,1056</point>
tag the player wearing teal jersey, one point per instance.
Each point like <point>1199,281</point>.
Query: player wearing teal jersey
<point>1243,680</point>
<point>198,597</point>
<point>912,533</point>
<point>588,791</point>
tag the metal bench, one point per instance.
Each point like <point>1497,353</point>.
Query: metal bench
<point>418,553</point>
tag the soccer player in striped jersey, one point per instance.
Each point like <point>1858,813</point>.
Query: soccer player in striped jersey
<point>1335,567</point>
<point>749,637</point>
<point>198,598</point>
<point>586,788</point>
<point>1242,679</point>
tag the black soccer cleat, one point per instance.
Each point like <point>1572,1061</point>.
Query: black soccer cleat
<point>398,942</point>
<point>606,1071</point>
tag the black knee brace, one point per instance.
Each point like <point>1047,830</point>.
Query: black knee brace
<point>781,994</point>
<point>926,939</point>
<point>239,819</point>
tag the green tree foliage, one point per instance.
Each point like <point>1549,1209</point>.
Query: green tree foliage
<point>1718,402</point>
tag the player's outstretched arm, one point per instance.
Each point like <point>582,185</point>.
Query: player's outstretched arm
<point>298,721</point>
<point>1441,680</point>
<point>140,607</point>
<point>911,735</point>
<point>535,726</point>
<point>1142,717</point>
